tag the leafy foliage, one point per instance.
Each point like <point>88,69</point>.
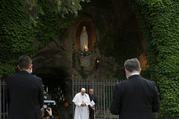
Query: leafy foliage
<point>61,7</point>
<point>161,21</point>
<point>16,35</point>
<point>23,22</point>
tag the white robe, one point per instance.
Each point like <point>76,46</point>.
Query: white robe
<point>81,112</point>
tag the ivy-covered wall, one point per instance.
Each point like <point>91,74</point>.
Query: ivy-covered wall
<point>50,25</point>
<point>160,22</point>
<point>16,34</point>
<point>21,27</point>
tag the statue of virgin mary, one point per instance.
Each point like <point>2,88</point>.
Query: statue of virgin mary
<point>84,39</point>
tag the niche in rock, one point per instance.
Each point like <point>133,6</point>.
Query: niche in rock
<point>85,40</point>
<point>85,25</point>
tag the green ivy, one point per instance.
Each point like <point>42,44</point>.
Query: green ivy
<point>16,34</point>
<point>24,21</point>
<point>161,21</point>
<point>6,69</point>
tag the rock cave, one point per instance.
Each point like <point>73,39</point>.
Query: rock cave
<point>113,36</point>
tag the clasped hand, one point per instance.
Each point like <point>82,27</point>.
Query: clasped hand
<point>83,104</point>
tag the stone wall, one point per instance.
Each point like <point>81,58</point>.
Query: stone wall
<point>114,36</point>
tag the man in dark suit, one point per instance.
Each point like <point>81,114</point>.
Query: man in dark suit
<point>136,97</point>
<point>92,108</point>
<point>25,93</point>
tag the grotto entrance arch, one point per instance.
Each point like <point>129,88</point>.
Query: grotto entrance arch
<point>52,66</point>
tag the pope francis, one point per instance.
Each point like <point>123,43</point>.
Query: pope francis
<point>81,100</point>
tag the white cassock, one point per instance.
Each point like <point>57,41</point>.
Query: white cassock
<point>81,112</point>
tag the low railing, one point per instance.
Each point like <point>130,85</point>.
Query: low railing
<point>103,90</point>
<point>3,100</point>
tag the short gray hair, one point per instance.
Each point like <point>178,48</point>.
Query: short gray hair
<point>24,62</point>
<point>132,65</point>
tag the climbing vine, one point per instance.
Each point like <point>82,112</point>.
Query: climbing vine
<point>16,35</point>
<point>23,22</point>
<point>160,21</point>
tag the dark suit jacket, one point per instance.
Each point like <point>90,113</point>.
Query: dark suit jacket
<point>93,97</point>
<point>91,111</point>
<point>25,96</point>
<point>135,98</point>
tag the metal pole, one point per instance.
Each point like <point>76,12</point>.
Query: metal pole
<point>6,101</point>
<point>0,99</point>
<point>73,94</point>
<point>3,100</point>
<point>104,101</point>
